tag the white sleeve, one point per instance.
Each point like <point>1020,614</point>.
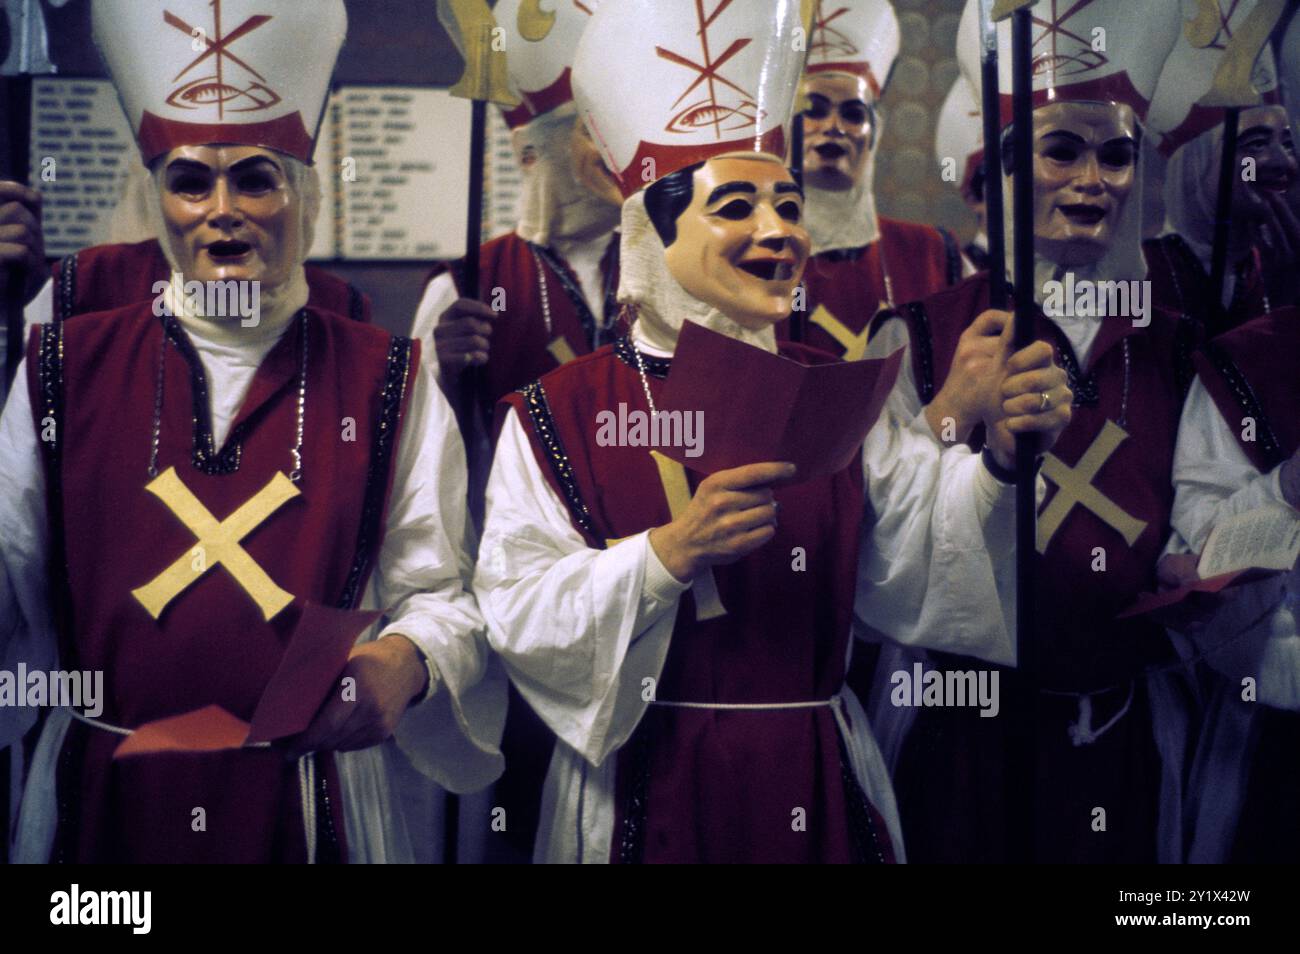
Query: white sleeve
<point>26,630</point>
<point>1212,476</point>
<point>421,578</point>
<point>437,298</point>
<point>39,311</point>
<point>904,401</point>
<point>937,564</point>
<point>579,629</point>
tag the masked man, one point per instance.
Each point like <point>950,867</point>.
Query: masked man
<point>1105,520</point>
<point>183,486</point>
<point>1264,232</point>
<point>547,290</point>
<point>1239,449</point>
<point>862,261</point>
<point>959,149</point>
<point>693,678</point>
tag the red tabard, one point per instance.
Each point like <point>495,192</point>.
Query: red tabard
<point>1180,284</point>
<point>697,785</point>
<point>211,644</point>
<point>519,336</point>
<point>1250,373</point>
<point>104,277</point>
<point>951,776</point>
<point>850,284</point>
<point>1084,647</point>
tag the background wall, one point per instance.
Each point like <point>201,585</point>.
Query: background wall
<point>401,42</point>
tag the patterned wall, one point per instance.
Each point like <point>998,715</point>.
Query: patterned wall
<point>908,185</point>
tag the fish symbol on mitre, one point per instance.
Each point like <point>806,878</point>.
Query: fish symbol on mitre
<point>828,43</point>
<point>1069,53</point>
<point>737,108</point>
<point>220,89</point>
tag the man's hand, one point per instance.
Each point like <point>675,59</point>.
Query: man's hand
<point>731,515</point>
<point>389,674</point>
<point>970,393</point>
<point>21,241</point>
<point>1035,400</point>
<point>1277,235</point>
<point>463,336</point>
<point>1179,569</point>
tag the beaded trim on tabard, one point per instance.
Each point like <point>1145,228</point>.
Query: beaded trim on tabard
<point>50,380</point>
<point>626,352</point>
<point>539,413</point>
<point>631,837</point>
<point>204,454</point>
<point>67,289</point>
<point>1270,447</point>
<point>546,260</point>
<point>396,375</point>
<point>862,826</point>
<point>923,346</point>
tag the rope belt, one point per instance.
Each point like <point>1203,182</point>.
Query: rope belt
<point>833,701</point>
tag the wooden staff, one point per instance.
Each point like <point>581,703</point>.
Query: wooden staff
<point>990,104</point>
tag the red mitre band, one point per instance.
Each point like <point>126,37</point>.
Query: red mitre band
<point>1116,88</point>
<point>668,159</point>
<point>857,68</point>
<point>542,101</point>
<point>286,134</point>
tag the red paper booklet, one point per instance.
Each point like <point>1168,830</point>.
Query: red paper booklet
<point>316,655</point>
<point>1241,548</point>
<point>755,406</point>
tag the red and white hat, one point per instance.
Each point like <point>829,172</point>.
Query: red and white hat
<point>959,134</point>
<point>854,36</point>
<point>1189,72</point>
<point>539,47</point>
<point>1106,51</point>
<point>663,84</point>
<point>242,72</point>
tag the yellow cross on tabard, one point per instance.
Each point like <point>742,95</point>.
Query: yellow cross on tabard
<point>560,350</point>
<point>218,543</point>
<point>1074,486</point>
<point>672,477</point>
<point>855,346</point>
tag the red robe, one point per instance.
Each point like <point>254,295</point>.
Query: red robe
<point>97,377</point>
<point>104,277</point>
<point>1250,372</point>
<point>846,289</point>
<point>522,347</point>
<point>951,780</point>
<point>696,785</point>
<point>1179,284</point>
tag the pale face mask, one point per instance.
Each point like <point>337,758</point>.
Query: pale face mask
<point>740,246</point>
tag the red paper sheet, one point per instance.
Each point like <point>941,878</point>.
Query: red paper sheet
<point>317,653</point>
<point>1149,602</point>
<point>209,729</point>
<point>759,406</point>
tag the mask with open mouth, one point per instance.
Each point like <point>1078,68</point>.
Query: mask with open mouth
<point>739,246</point>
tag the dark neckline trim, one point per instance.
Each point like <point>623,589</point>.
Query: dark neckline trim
<point>654,367</point>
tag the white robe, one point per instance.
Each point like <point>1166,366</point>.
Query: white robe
<point>391,807</point>
<point>1252,634</point>
<point>578,628</point>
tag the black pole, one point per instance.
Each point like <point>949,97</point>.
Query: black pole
<point>991,106</point>
<point>1024,721</point>
<point>799,318</point>
<point>17,98</point>
<point>1223,219</point>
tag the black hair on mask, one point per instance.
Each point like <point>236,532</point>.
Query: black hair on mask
<point>667,198</point>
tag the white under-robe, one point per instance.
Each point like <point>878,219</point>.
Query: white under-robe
<point>578,628</point>
<point>451,738</point>
<point>1251,634</point>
